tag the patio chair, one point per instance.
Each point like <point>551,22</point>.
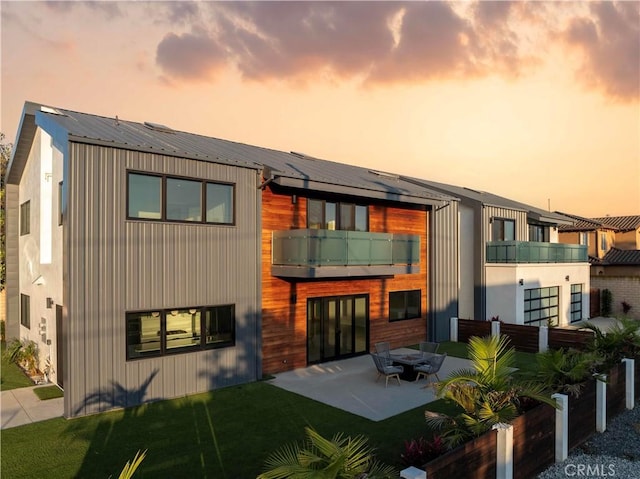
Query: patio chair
<point>383,348</point>
<point>430,368</point>
<point>386,368</point>
<point>429,347</point>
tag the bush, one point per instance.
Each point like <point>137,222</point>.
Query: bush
<point>605,302</point>
<point>626,307</point>
<point>567,370</point>
<point>23,353</point>
<point>418,452</point>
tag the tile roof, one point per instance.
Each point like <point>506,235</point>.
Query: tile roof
<point>621,257</point>
<point>622,223</point>
<point>582,224</point>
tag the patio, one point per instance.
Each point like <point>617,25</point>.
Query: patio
<point>350,385</point>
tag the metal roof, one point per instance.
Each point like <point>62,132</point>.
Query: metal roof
<point>490,199</point>
<point>287,169</point>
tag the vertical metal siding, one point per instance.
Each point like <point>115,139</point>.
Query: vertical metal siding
<point>12,272</point>
<point>444,268</point>
<point>117,265</point>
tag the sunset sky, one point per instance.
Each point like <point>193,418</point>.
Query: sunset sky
<point>534,101</point>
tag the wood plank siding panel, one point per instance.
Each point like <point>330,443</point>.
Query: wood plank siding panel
<point>284,330</point>
<point>114,265</point>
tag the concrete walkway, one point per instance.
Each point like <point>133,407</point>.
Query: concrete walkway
<point>21,406</point>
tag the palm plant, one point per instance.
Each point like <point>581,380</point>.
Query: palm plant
<point>622,340</point>
<point>487,395</point>
<point>320,458</point>
<point>567,370</point>
<point>131,466</point>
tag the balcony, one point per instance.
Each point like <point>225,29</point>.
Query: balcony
<point>535,252</point>
<point>311,253</point>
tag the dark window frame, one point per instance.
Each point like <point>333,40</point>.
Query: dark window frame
<point>60,203</point>
<point>542,230</point>
<point>575,310</point>
<point>406,296</point>
<point>498,220</point>
<point>339,205</point>
<point>25,310</point>
<point>25,218</point>
<point>544,313</point>
<point>163,199</point>
<point>162,317</point>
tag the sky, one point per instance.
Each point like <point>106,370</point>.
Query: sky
<point>535,101</point>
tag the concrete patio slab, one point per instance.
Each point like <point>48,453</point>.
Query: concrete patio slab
<point>21,406</point>
<point>351,385</point>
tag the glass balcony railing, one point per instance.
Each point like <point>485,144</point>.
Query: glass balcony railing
<point>535,252</point>
<point>312,248</point>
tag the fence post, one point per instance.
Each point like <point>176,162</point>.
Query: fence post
<point>504,451</point>
<point>495,328</point>
<point>601,403</point>
<point>562,426</point>
<point>543,338</point>
<point>629,382</point>
<point>413,473</point>
<point>453,329</point>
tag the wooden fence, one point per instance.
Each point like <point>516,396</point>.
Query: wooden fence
<point>523,338</point>
<point>533,441</point>
<point>616,394</point>
<point>594,302</point>
<point>582,419</point>
<point>568,338</point>
<point>475,459</point>
<point>470,327</point>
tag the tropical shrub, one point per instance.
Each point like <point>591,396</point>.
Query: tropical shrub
<point>317,457</point>
<point>567,370</point>
<point>131,466</point>
<point>418,452</point>
<point>23,353</point>
<point>488,394</point>
<point>622,340</point>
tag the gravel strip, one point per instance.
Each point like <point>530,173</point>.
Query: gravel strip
<point>614,453</point>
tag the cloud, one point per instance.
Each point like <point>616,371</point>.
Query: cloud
<point>109,10</point>
<point>610,42</point>
<point>190,56</point>
<point>398,42</point>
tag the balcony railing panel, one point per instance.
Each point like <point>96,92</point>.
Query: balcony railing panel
<point>535,252</point>
<point>312,248</point>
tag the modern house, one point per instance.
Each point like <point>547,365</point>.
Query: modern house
<point>149,263</point>
<point>512,266</point>
<point>133,259</point>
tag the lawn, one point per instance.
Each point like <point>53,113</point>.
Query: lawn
<point>48,392</point>
<point>11,376</point>
<point>227,433</point>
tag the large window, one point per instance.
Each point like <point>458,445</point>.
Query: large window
<point>404,305</point>
<point>539,233</point>
<point>166,198</point>
<point>25,218</point>
<point>328,215</point>
<point>503,229</point>
<point>156,333</point>
<point>25,311</point>
<point>576,302</point>
<point>541,306</point>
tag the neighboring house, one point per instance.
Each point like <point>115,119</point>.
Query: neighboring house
<point>148,263</point>
<point>511,264</point>
<point>597,235</point>
<point>619,272</point>
<point>627,230</point>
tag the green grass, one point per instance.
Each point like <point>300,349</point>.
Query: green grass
<point>11,376</point>
<point>48,392</point>
<point>226,433</point>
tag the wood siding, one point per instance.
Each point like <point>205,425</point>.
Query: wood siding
<point>113,265</point>
<point>284,331</point>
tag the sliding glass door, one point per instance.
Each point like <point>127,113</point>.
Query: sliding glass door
<point>337,327</point>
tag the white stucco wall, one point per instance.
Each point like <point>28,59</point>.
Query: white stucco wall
<point>505,296</point>
<point>41,250</point>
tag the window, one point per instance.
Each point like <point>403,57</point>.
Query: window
<point>539,233</point>
<point>25,218</point>
<point>328,215</point>
<point>576,302</point>
<point>541,306</point>
<point>25,311</point>
<point>165,198</point>
<point>503,229</point>
<point>583,239</point>
<point>603,242</point>
<point>404,305</point>
<point>157,333</point>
